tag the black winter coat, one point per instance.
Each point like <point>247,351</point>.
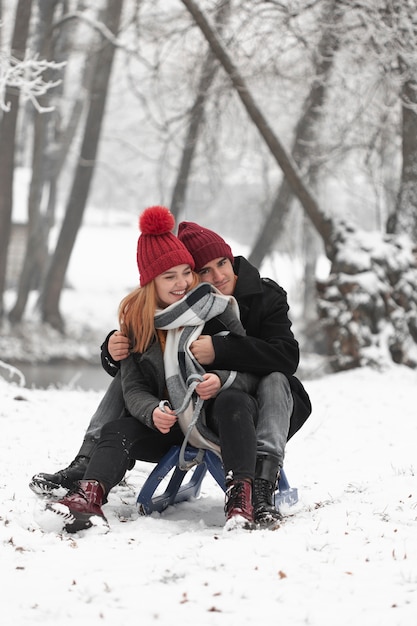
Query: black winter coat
<point>269,344</point>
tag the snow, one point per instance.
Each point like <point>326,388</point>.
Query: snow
<point>345,553</point>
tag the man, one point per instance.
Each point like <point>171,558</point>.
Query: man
<point>268,350</point>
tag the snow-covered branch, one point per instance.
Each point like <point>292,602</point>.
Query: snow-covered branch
<point>13,371</point>
<point>27,77</point>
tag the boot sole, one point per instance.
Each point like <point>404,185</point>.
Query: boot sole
<point>44,489</point>
<point>238,522</point>
<point>272,525</point>
<point>57,517</point>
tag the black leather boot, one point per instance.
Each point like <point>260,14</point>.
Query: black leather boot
<point>56,485</point>
<point>266,478</point>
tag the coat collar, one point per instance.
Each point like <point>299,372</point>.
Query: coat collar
<point>249,281</point>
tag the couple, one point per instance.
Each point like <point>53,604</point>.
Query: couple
<point>233,369</point>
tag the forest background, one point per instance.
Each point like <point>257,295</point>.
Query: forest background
<point>290,127</point>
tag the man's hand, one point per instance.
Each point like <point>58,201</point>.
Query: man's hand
<point>164,420</point>
<point>209,387</point>
<point>118,346</point>
<point>202,350</point>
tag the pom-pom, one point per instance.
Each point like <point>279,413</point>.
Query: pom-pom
<point>156,220</point>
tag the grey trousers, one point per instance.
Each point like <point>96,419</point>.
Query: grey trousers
<point>275,403</point>
<point>275,407</point>
<point>110,408</point>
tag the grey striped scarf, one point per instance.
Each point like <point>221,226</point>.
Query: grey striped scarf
<point>184,322</point>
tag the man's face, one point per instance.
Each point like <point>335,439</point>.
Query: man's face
<point>219,273</point>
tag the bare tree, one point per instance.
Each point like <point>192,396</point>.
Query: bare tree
<point>369,302</point>
<point>37,242</point>
<point>51,145</point>
<point>364,292</point>
<point>7,142</point>
<point>208,72</point>
<point>404,218</point>
<point>304,141</point>
<point>322,222</point>
<point>303,151</point>
<point>55,277</point>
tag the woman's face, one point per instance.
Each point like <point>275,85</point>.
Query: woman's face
<point>173,284</point>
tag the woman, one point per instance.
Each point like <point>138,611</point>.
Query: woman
<point>214,409</point>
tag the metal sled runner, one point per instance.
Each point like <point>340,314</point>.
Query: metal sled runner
<point>179,490</point>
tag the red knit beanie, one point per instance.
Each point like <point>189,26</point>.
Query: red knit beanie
<point>204,244</point>
<point>158,248</point>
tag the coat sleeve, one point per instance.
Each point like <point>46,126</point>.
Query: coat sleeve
<point>139,400</point>
<point>109,365</point>
<point>273,349</point>
<point>237,380</point>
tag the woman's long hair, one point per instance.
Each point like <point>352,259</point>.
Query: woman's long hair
<point>136,314</point>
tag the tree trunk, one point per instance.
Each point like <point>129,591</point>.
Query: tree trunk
<point>304,137</point>
<point>322,223</point>
<point>196,118</point>
<point>55,277</point>
<point>65,136</point>
<point>404,220</point>
<point>7,143</point>
<point>208,72</point>
<point>37,244</point>
<point>1,21</point>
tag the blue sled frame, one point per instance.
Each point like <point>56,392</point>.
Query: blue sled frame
<point>178,491</point>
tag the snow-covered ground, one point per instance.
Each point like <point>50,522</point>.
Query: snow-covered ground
<point>345,554</point>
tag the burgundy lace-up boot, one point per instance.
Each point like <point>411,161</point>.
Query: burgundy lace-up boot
<point>81,508</point>
<point>238,506</point>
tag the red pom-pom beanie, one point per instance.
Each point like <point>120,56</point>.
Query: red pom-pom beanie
<point>204,244</point>
<point>158,248</point>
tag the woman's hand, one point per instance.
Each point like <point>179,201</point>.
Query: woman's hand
<point>164,420</point>
<point>209,387</point>
<point>118,346</point>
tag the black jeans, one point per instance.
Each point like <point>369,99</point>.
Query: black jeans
<point>231,415</point>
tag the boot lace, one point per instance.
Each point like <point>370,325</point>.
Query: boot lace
<point>76,490</point>
<point>262,492</point>
<point>236,497</point>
